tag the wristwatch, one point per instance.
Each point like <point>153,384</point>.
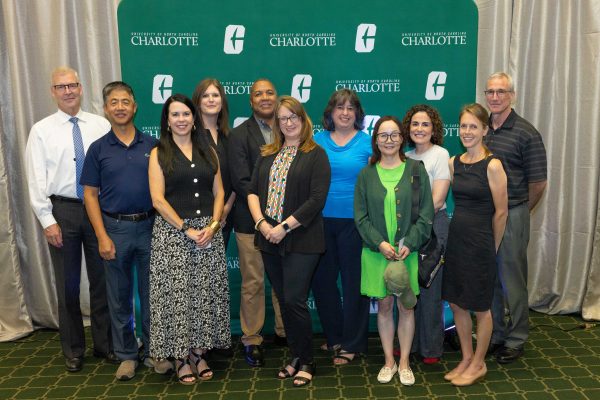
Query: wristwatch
<point>286,227</point>
<point>184,227</point>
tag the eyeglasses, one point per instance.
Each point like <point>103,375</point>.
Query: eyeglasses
<point>62,88</point>
<point>500,93</point>
<point>292,118</point>
<point>393,136</point>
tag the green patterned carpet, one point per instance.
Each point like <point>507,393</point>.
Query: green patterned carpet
<point>558,364</point>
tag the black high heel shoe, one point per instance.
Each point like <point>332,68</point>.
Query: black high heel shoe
<point>302,380</point>
<point>284,373</point>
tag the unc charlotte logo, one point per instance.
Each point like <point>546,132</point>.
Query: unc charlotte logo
<point>365,38</point>
<point>435,85</point>
<point>234,39</point>
<point>369,123</point>
<point>301,87</point>
<point>161,88</point>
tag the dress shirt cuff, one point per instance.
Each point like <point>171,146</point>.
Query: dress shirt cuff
<point>47,220</point>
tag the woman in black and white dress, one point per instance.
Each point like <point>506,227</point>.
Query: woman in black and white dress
<point>189,290</point>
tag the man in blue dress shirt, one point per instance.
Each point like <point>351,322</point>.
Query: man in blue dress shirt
<point>54,156</point>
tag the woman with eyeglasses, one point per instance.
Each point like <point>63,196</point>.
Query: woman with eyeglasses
<point>345,321</point>
<point>287,193</point>
<point>209,97</point>
<point>382,212</point>
<point>424,130</point>
<point>476,230</point>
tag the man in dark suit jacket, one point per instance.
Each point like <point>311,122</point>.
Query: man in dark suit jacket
<point>244,148</point>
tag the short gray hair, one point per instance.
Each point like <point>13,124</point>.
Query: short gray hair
<point>503,75</point>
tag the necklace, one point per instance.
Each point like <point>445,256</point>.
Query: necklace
<point>472,162</point>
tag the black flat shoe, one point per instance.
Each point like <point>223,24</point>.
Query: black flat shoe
<point>280,341</point>
<point>493,348</point>
<point>509,354</point>
<point>74,364</point>
<point>109,357</point>
<point>254,355</point>
<point>284,373</point>
<point>300,381</point>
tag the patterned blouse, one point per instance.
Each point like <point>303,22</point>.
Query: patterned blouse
<point>277,181</point>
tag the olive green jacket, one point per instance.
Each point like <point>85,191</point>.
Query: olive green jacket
<point>369,196</point>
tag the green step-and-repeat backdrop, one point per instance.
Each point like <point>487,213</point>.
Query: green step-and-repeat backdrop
<point>394,54</point>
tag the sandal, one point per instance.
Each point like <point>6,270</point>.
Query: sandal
<point>326,347</point>
<point>187,378</point>
<point>205,374</point>
<point>284,373</point>
<point>300,381</point>
<point>342,356</point>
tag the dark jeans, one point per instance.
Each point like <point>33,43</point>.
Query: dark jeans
<point>344,322</point>
<point>77,231</point>
<point>429,313</point>
<point>290,276</point>
<point>511,283</point>
<point>132,243</point>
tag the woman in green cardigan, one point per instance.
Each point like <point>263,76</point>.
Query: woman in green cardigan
<point>382,212</point>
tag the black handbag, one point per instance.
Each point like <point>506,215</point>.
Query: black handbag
<point>431,254</point>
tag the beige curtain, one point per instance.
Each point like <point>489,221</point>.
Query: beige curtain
<point>35,37</point>
<point>552,53</point>
<point>551,47</point>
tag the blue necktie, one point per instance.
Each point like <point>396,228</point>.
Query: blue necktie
<point>79,155</point>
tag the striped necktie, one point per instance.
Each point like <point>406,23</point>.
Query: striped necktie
<point>79,155</point>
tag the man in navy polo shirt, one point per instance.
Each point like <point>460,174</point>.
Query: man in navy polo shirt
<point>118,203</point>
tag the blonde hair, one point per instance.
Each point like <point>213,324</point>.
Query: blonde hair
<point>479,112</point>
<point>307,142</point>
<point>62,71</point>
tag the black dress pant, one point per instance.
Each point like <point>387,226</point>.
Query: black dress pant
<point>290,276</point>
<point>77,230</point>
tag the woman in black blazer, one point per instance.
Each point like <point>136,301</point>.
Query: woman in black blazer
<point>288,191</point>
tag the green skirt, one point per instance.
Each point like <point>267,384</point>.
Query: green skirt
<point>373,265</point>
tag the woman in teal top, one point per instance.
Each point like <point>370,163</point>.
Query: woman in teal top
<point>382,208</point>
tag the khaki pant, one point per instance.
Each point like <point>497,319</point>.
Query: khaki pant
<point>252,299</point>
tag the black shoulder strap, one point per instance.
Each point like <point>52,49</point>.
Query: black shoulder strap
<point>415,180</point>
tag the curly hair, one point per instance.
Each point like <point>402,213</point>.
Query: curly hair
<point>437,134</point>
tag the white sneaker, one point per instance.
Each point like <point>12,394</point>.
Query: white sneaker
<point>406,377</point>
<point>386,374</point>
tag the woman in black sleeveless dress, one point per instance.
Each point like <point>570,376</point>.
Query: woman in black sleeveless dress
<point>479,188</point>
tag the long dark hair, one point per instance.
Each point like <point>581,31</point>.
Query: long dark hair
<point>223,118</point>
<point>166,144</point>
<point>376,157</point>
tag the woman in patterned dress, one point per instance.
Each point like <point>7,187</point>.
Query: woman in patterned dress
<point>189,291</point>
<point>287,193</point>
